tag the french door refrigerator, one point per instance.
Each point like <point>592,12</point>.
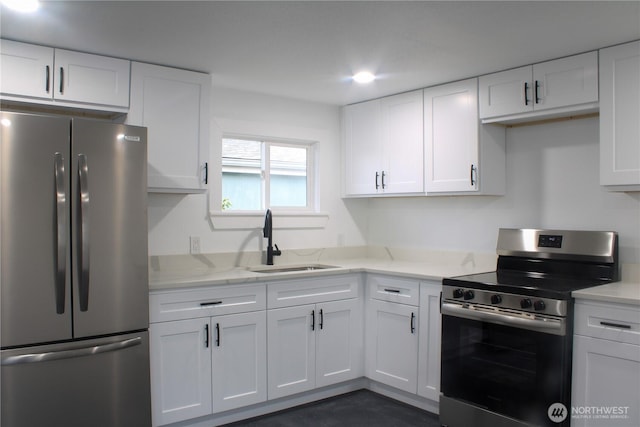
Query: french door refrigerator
<point>74,294</point>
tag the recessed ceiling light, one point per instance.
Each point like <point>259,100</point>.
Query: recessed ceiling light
<point>364,77</point>
<point>21,5</point>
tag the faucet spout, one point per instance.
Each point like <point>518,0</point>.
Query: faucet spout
<point>267,232</point>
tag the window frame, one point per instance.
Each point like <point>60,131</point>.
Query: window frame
<point>311,204</point>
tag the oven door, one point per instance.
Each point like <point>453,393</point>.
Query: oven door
<point>503,367</point>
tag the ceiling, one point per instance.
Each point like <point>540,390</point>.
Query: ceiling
<point>308,49</point>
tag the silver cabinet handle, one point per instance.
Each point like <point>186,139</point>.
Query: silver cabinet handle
<point>61,232</point>
<point>83,234</point>
<point>68,354</point>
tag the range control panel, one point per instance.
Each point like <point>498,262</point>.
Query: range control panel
<point>506,300</point>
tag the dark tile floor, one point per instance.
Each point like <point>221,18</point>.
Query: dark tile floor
<point>360,408</point>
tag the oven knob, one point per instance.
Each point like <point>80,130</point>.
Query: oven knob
<point>458,293</point>
<point>496,299</point>
<point>525,303</point>
<point>539,305</point>
<point>468,295</point>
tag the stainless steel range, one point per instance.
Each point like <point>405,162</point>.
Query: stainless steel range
<point>507,335</point>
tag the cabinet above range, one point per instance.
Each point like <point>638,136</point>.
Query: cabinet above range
<point>545,90</point>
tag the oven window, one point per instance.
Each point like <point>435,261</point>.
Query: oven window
<point>511,371</point>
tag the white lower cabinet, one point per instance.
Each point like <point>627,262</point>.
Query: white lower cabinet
<point>429,333</point>
<point>239,372</point>
<point>220,348</point>
<point>205,365</point>
<point>392,332</point>
<point>313,345</point>
<point>606,366</point>
<point>180,370</point>
<point>392,344</point>
<point>209,365</point>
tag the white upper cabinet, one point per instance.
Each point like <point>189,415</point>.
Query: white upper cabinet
<point>43,75</point>
<point>619,116</point>
<point>402,143</point>
<point>174,106</point>
<point>27,70</point>
<point>91,79</point>
<point>461,155</point>
<point>384,146</point>
<point>363,148</point>
<point>548,89</point>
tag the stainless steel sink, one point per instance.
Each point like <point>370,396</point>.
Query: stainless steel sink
<point>289,268</point>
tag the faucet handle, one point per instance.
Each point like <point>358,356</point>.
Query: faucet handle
<point>277,251</point>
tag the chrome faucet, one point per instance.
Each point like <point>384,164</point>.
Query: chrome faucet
<point>268,233</point>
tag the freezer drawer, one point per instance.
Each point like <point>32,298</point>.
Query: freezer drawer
<point>99,383</point>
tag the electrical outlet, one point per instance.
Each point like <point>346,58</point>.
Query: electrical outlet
<point>194,242</point>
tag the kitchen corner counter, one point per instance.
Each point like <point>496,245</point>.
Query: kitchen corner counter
<point>627,291</point>
<point>417,264</point>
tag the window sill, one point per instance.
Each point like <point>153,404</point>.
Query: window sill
<point>229,220</point>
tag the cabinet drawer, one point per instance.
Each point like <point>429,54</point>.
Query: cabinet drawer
<point>392,289</point>
<point>311,291</point>
<point>613,322</point>
<point>215,301</point>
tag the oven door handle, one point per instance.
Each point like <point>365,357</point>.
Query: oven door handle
<point>547,325</point>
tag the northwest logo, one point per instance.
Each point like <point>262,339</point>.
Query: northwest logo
<point>557,412</point>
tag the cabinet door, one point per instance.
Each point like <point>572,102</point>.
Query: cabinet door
<point>392,344</point>
<point>180,357</point>
<point>91,79</point>
<point>363,148</point>
<point>27,70</point>
<point>506,92</point>
<point>429,341</point>
<point>402,147</point>
<point>606,375</point>
<point>567,81</point>
<point>619,112</point>
<point>239,348</point>
<point>338,341</point>
<point>291,350</point>
<point>174,105</point>
<point>451,137</point>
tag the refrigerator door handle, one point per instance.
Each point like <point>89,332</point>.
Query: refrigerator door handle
<point>69,354</point>
<point>83,234</point>
<point>61,232</point>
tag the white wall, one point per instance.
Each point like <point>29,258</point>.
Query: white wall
<point>552,182</point>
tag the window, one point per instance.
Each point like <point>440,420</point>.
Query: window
<point>259,174</point>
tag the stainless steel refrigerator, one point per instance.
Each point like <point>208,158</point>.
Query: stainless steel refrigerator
<point>74,294</point>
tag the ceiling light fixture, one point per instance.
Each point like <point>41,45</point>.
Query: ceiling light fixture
<point>364,77</point>
<point>21,5</point>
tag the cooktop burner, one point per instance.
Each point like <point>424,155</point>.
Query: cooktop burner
<point>524,283</point>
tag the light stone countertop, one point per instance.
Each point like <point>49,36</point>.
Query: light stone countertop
<point>627,291</point>
<point>186,271</point>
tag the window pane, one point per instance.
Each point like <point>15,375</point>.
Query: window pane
<point>288,176</point>
<point>241,191</point>
<point>241,174</point>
